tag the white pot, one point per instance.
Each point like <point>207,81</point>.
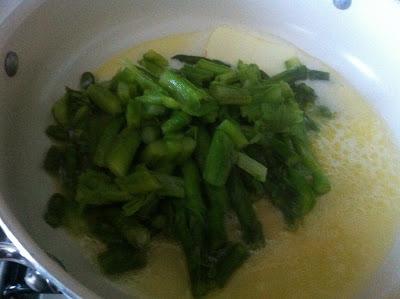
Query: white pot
<point>56,40</point>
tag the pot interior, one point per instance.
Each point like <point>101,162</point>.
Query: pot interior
<point>57,40</point>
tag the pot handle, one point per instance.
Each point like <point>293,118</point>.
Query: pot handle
<point>9,253</point>
<point>34,280</point>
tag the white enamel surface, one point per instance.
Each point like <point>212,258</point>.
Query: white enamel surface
<point>57,40</point>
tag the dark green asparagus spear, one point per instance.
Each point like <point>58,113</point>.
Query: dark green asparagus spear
<point>230,95</point>
<point>150,134</point>
<point>96,188</point>
<point>124,92</point>
<point>104,99</point>
<point>170,185</point>
<point>121,258</point>
<point>251,228</point>
<point>191,59</point>
<point>121,155</point>
<point>134,233</point>
<point>57,132</point>
<point>192,183</point>
<point>106,141</point>
<point>60,111</point>
<point>203,145</point>
<point>55,212</point>
<point>218,202</point>
<point>251,166</point>
<point>157,98</point>
<point>196,75</point>
<point>154,62</point>
<point>54,159</point>
<point>176,122</point>
<point>234,132</point>
<point>220,159</point>
<point>87,79</point>
<point>214,67</point>
<point>140,181</point>
<point>318,75</point>
<point>233,257</point>
<point>133,113</point>
<point>188,95</point>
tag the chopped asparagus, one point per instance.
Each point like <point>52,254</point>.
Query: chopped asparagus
<point>157,150</point>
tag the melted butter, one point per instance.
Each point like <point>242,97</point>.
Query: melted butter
<point>349,232</point>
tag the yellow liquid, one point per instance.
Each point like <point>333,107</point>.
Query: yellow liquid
<point>349,232</point>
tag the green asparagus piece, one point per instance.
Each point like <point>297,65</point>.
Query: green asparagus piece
<point>151,111</point>
<point>60,111</point>
<point>158,222</point>
<point>203,145</point>
<point>189,231</point>
<point>220,159</point>
<point>134,205</point>
<point>251,166</point>
<point>106,141</point>
<point>160,99</point>
<point>134,233</point>
<point>154,62</point>
<point>154,152</point>
<point>96,188</point>
<point>121,155</point>
<point>176,122</point>
<point>293,62</point>
<point>214,67</point>
<point>232,258</point>
<point>174,146</point>
<point>228,78</point>
<point>100,225</point>
<point>188,95</point>
<point>69,169</point>
<point>251,228</point>
<point>171,186</point>
<point>80,115</point>
<point>140,181</point>
<point>104,99</point>
<point>234,132</point>
<point>133,113</point>
<point>149,209</point>
<point>230,95</point>
<point>192,183</point>
<point>200,77</point>
<point>291,75</point>
<point>218,204</point>
<point>188,146</point>
<point>55,212</point>
<point>57,132</point>
<point>121,258</point>
<point>196,222</point>
<point>54,159</point>
<point>321,184</point>
<point>140,77</point>
<point>124,92</point>
<point>87,79</point>
<point>318,75</point>
<point>249,74</point>
<point>325,112</point>
<point>150,134</point>
<point>190,59</point>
